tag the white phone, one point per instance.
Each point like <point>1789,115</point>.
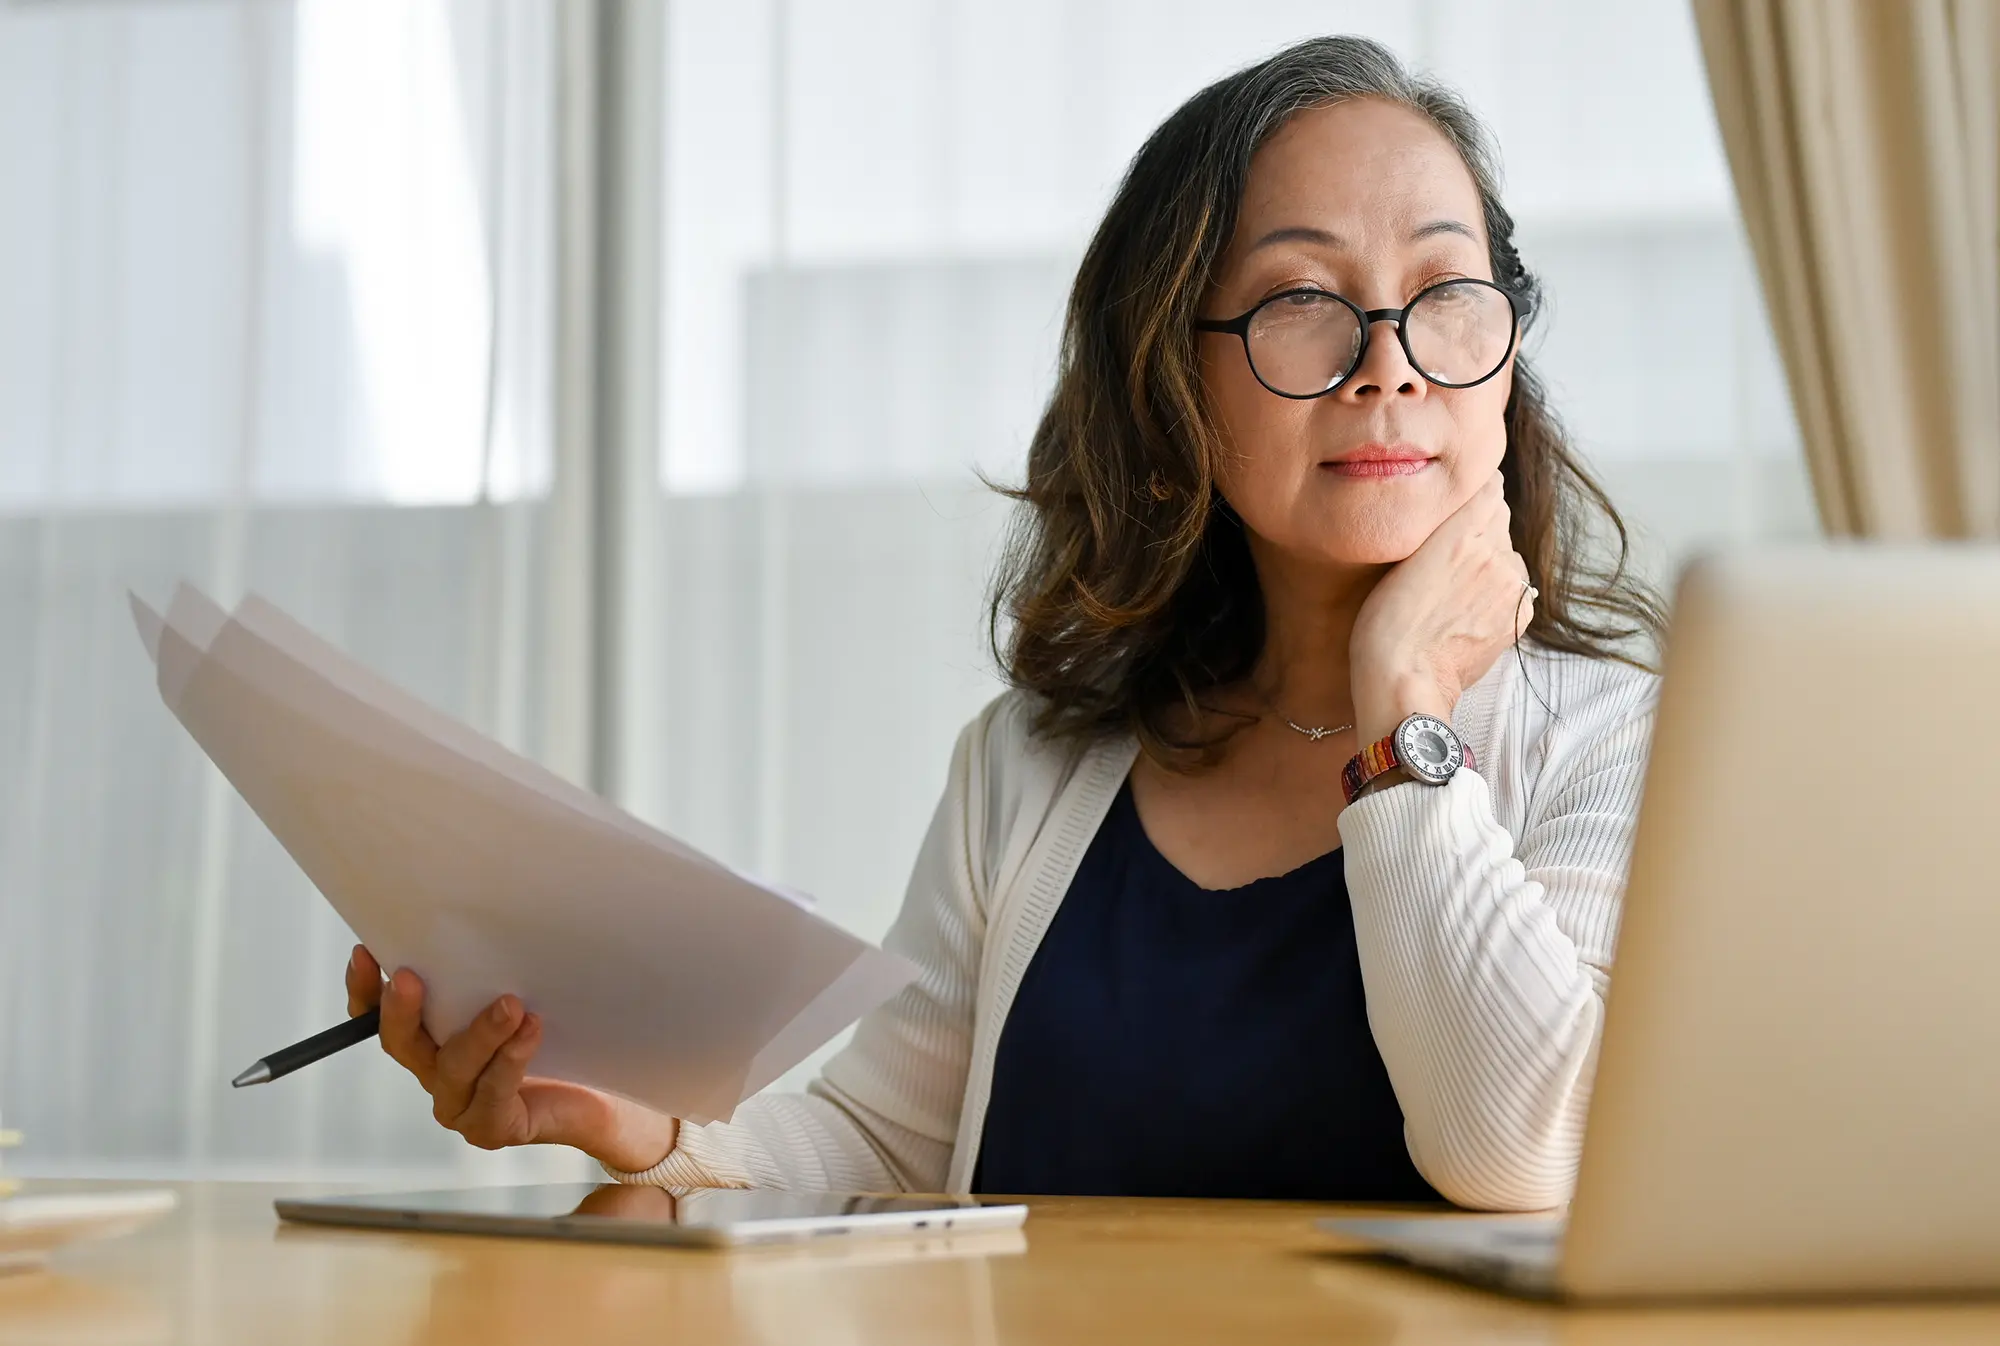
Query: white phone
<point>616,1213</point>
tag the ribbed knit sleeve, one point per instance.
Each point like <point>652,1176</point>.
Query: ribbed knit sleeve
<point>1486,957</point>
<point>883,1114</point>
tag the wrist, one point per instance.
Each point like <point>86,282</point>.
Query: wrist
<point>1395,775</point>
<point>1384,704</point>
<point>639,1145</point>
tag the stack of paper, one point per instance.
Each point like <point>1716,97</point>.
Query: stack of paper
<point>659,973</point>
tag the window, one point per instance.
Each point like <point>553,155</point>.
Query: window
<point>278,286</point>
<point>269,252</point>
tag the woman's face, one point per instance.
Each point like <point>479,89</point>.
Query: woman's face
<point>1368,200</point>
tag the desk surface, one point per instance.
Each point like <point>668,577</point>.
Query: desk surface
<point>222,1270</point>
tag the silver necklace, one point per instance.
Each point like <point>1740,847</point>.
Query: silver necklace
<point>1314,732</point>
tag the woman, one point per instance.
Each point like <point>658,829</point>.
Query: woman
<point>1295,494</point>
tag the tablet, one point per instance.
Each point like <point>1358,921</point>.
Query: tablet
<point>617,1213</point>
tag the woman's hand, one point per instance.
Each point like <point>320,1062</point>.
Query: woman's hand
<point>479,1084</point>
<point>1436,622</point>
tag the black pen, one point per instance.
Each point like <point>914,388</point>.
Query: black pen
<point>287,1059</point>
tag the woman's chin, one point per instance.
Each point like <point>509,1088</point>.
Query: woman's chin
<point>1370,540</point>
<point>1342,529</point>
<point>1381,556</point>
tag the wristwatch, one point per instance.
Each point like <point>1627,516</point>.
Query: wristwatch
<point>1422,745</point>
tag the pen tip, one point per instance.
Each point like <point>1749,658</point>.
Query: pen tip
<point>257,1074</point>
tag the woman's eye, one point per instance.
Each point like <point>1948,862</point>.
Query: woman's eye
<point>1437,280</point>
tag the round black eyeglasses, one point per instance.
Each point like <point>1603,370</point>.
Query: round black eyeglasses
<point>1305,343</point>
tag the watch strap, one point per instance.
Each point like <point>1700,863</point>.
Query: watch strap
<point>1366,765</point>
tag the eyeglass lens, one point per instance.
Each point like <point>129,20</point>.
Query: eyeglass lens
<point>1305,343</point>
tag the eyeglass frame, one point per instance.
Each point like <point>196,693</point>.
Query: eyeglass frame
<point>1239,327</point>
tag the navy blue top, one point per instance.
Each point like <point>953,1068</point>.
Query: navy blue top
<point>1171,1040</point>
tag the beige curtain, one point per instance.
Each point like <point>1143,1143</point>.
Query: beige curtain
<point>1864,137</point>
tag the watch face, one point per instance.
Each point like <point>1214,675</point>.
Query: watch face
<point>1428,749</point>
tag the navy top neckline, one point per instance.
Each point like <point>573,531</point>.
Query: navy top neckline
<point>1174,1040</point>
<point>1171,874</point>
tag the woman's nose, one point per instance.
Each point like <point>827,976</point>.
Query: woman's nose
<point>1384,367</point>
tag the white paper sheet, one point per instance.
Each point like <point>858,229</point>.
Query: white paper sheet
<point>659,973</point>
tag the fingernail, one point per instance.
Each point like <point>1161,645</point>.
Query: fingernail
<point>498,1014</point>
<point>354,959</point>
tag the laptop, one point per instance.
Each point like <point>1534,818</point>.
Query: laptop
<point>1798,1088</point>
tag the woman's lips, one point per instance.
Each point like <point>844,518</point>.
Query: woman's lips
<point>1379,467</point>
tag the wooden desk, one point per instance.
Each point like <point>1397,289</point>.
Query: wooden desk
<point>223,1271</point>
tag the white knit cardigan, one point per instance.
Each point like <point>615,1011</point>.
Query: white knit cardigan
<point>1485,911</point>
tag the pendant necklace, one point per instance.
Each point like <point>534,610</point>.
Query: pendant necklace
<point>1314,732</point>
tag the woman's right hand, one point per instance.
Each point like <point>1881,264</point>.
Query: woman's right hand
<point>479,1083</point>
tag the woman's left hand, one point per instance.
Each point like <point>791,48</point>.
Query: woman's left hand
<point>1437,621</point>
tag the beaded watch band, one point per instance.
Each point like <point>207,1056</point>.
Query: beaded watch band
<point>1366,765</point>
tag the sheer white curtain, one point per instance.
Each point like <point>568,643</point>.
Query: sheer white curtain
<point>278,314</point>
<point>873,209</point>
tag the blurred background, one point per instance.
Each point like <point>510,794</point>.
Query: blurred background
<point>615,377</point>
